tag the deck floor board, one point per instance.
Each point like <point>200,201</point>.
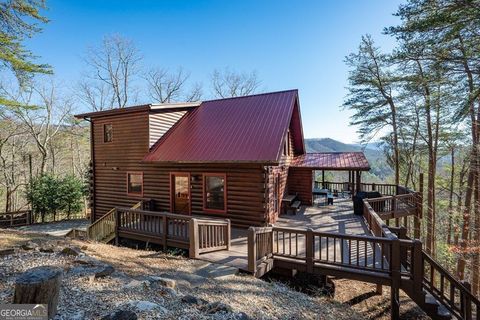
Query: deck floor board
<point>338,218</point>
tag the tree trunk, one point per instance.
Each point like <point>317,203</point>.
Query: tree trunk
<point>450,197</point>
<point>40,285</point>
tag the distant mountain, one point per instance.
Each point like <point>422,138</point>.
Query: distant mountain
<point>373,152</point>
<point>331,145</point>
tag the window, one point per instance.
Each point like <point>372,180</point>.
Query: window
<point>135,183</point>
<point>107,133</point>
<point>214,192</point>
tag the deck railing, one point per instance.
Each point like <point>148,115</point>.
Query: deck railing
<point>385,189</point>
<point>208,235</point>
<point>198,235</point>
<point>393,256</point>
<point>103,229</point>
<point>16,218</point>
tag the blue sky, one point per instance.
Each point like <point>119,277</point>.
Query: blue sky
<point>291,44</point>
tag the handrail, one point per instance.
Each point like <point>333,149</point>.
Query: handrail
<point>457,297</point>
<point>104,227</point>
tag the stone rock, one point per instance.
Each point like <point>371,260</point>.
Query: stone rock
<point>242,316</point>
<point>143,305</point>
<point>71,251</point>
<point>7,252</point>
<point>165,282</point>
<point>193,300</point>
<point>46,249</point>
<point>104,272</point>
<point>86,260</point>
<point>165,291</point>
<point>121,315</point>
<point>29,245</point>
<point>137,284</point>
<point>215,307</point>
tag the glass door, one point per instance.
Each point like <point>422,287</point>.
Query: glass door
<point>180,188</point>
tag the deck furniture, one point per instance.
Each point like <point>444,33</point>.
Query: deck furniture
<point>295,206</point>
<point>287,202</point>
<point>320,192</point>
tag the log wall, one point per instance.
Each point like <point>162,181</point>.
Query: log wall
<point>246,204</point>
<point>300,182</point>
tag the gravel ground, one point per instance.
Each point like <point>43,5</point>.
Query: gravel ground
<point>132,287</point>
<point>58,228</point>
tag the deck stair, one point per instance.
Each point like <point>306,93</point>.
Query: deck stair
<point>103,229</point>
<point>390,256</point>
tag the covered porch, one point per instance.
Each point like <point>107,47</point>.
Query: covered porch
<point>303,172</point>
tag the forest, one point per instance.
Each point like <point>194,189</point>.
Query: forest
<point>44,151</point>
<point>420,100</point>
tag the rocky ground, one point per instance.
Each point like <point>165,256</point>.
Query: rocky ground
<point>106,282</point>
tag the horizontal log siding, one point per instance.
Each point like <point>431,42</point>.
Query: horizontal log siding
<point>282,172</point>
<point>300,182</point>
<point>246,205</point>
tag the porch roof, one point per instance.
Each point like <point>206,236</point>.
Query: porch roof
<point>355,161</point>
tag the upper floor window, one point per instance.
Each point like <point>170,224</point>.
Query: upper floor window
<point>214,192</point>
<point>135,183</point>
<point>107,133</point>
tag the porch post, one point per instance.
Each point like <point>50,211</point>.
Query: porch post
<point>323,179</point>
<point>358,180</point>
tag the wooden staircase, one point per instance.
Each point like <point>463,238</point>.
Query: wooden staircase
<point>103,230</point>
<point>390,256</point>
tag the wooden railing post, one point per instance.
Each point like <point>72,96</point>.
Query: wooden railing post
<point>165,232</point>
<point>117,224</point>
<point>466,304</point>
<point>252,251</point>
<point>194,241</point>
<point>309,250</point>
<point>395,281</point>
<point>417,268</point>
<point>229,234</point>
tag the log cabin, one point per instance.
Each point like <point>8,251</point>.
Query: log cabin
<point>234,158</point>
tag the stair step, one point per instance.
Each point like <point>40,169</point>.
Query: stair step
<point>430,300</point>
<point>443,313</point>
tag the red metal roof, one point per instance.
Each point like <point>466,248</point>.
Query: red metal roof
<point>332,161</point>
<point>241,129</point>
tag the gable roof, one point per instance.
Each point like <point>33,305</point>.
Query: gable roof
<point>240,129</point>
<point>332,161</point>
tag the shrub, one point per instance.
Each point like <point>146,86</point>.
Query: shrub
<point>48,195</point>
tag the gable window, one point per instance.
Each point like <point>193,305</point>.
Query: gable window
<point>107,132</point>
<point>214,192</point>
<point>135,183</point>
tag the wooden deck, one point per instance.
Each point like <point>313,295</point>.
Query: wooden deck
<point>337,218</point>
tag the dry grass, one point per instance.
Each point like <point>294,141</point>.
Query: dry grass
<point>244,293</point>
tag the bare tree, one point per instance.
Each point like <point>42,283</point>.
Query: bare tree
<point>195,93</point>
<point>165,86</point>
<point>115,63</point>
<point>97,95</point>
<point>229,83</point>
<point>44,122</point>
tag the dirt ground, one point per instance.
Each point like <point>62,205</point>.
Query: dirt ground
<point>82,298</point>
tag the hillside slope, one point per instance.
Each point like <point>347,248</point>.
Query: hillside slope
<point>136,283</point>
